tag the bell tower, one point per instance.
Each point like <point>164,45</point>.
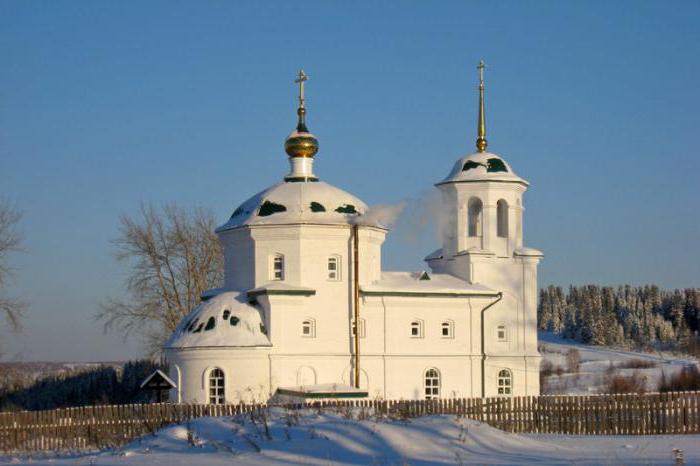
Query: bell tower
<point>482,202</point>
<point>482,243</point>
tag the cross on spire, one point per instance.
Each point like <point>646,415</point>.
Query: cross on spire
<point>481,67</point>
<point>301,78</point>
<point>481,142</point>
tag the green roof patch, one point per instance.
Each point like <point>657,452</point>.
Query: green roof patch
<point>346,209</point>
<point>192,323</point>
<point>211,323</point>
<point>234,321</point>
<point>424,276</point>
<point>470,164</point>
<point>199,328</point>
<point>496,165</point>
<point>226,314</point>
<point>269,208</point>
<point>492,165</point>
<point>317,207</point>
<point>263,330</point>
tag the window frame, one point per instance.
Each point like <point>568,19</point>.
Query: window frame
<point>450,325</point>
<point>505,333</point>
<point>336,259</point>
<point>362,328</point>
<point>311,324</point>
<point>216,385</point>
<point>419,324</point>
<point>432,383</point>
<point>274,260</point>
<point>504,382</point>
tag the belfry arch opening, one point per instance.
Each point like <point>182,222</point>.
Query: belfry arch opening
<point>475,220</point>
<point>502,217</point>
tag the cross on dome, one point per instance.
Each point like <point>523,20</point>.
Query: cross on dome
<point>301,145</point>
<point>302,77</point>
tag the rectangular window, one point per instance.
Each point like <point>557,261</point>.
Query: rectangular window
<point>417,329</point>
<point>362,328</point>
<point>333,268</point>
<point>308,328</point>
<point>501,333</point>
<point>278,268</point>
<point>447,329</point>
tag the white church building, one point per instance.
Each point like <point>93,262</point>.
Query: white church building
<point>306,308</point>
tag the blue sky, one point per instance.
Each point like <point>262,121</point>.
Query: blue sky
<point>104,105</point>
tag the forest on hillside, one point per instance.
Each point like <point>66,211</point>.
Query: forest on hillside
<point>644,317</point>
<point>103,385</point>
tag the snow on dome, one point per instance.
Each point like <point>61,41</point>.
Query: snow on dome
<point>224,320</point>
<point>303,202</point>
<point>483,166</point>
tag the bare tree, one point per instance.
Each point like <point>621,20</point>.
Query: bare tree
<point>10,241</point>
<point>174,256</point>
<point>573,360</point>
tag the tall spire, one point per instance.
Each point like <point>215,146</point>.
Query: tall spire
<point>481,142</point>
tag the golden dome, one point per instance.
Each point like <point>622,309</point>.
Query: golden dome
<point>301,143</point>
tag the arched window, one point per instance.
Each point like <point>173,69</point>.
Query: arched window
<point>308,328</point>
<point>475,217</point>
<point>277,267</point>
<point>417,329</point>
<point>334,268</point>
<point>216,387</point>
<point>432,384</point>
<point>361,328</point>
<point>501,333</point>
<point>505,382</point>
<point>447,329</point>
<point>306,375</point>
<point>502,214</point>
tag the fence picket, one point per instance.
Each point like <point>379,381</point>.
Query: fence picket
<point>111,426</point>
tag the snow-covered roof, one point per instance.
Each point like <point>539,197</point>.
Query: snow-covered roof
<point>280,287</point>
<point>482,166</point>
<point>224,320</point>
<point>297,202</point>
<point>532,252</point>
<point>158,373</point>
<point>424,283</point>
<point>323,390</point>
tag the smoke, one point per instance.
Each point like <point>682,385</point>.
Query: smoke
<point>383,215</point>
<point>423,218</point>
<point>413,220</point>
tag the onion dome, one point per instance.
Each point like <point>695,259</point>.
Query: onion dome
<point>301,145</point>
<point>301,198</point>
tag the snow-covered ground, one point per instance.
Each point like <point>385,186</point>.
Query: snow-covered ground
<point>334,439</point>
<point>598,363</point>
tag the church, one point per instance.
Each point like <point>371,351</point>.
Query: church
<point>306,309</point>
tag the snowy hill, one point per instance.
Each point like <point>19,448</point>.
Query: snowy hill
<point>313,438</point>
<point>598,363</point>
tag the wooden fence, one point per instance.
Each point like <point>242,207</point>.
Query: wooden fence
<point>93,427</point>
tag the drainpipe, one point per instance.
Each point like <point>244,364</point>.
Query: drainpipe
<point>356,298</point>
<point>483,346</point>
